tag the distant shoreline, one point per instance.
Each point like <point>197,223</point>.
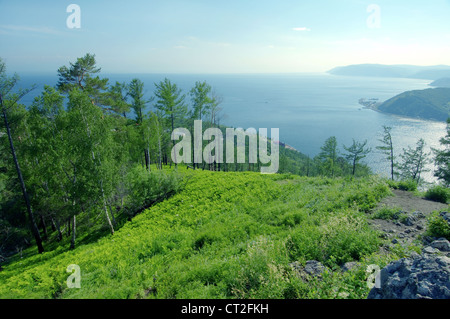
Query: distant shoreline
<point>374,107</point>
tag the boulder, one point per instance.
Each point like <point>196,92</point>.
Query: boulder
<point>430,250</point>
<point>425,276</point>
<point>418,215</point>
<point>312,268</point>
<point>349,266</point>
<point>442,244</point>
<point>409,220</point>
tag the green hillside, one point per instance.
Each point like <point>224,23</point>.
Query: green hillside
<point>100,193</point>
<point>432,104</point>
<point>225,235</point>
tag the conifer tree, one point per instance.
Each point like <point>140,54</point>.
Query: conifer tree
<point>387,148</point>
<point>356,152</point>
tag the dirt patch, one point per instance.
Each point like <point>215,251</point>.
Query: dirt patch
<point>408,202</point>
<point>415,211</point>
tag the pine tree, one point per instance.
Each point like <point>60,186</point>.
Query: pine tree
<point>171,102</point>
<point>329,155</point>
<point>387,148</point>
<point>356,152</point>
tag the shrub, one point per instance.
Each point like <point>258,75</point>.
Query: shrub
<point>341,239</point>
<point>147,188</point>
<point>387,213</point>
<point>438,227</point>
<point>404,185</point>
<point>438,194</point>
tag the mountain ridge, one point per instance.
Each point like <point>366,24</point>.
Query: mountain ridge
<point>397,71</point>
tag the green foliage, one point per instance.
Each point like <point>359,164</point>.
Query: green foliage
<point>224,235</point>
<point>329,155</point>
<point>136,92</point>
<point>201,102</point>
<point>146,188</point>
<point>438,194</point>
<point>189,234</point>
<point>442,159</point>
<point>170,101</point>
<point>339,240</point>
<point>414,162</point>
<point>438,227</point>
<point>388,213</point>
<point>387,148</point>
<point>356,152</point>
<point>80,75</point>
<point>404,185</point>
<point>369,197</point>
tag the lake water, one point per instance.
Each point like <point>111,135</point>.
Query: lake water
<point>307,108</point>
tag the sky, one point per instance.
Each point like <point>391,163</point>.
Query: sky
<point>232,36</point>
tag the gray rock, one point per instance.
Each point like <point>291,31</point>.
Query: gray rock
<point>442,244</point>
<point>349,266</point>
<point>446,216</point>
<point>384,236</point>
<point>409,220</point>
<point>314,268</point>
<point>416,277</point>
<point>430,250</point>
<point>427,240</point>
<point>418,215</point>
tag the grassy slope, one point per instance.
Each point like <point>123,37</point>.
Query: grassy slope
<point>226,235</point>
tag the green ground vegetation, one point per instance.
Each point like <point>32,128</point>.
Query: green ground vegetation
<point>224,235</point>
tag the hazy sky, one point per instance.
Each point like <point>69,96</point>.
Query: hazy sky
<point>229,36</point>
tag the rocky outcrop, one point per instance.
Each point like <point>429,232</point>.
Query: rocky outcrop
<point>312,268</point>
<point>424,276</point>
<point>349,266</point>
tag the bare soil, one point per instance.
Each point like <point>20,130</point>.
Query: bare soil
<point>417,208</point>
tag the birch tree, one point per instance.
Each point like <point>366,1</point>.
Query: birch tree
<point>7,101</point>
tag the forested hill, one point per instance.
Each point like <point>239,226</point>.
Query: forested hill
<point>432,104</point>
<point>442,83</point>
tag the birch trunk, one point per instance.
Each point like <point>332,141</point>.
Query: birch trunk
<point>74,228</point>
<point>33,225</point>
